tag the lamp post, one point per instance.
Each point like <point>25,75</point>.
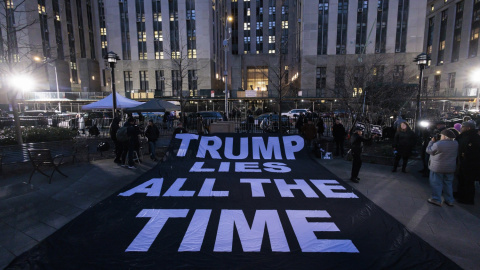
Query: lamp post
<point>225,73</point>
<point>421,60</point>
<point>112,58</point>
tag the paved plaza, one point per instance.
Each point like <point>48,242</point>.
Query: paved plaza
<point>30,213</point>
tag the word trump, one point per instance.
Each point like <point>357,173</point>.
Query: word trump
<point>153,188</point>
<point>259,149</point>
<point>250,237</point>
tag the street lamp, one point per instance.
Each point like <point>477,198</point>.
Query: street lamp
<point>38,59</point>
<point>422,61</point>
<point>112,58</point>
<point>475,77</point>
<point>225,73</point>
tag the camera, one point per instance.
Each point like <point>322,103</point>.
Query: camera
<point>436,136</point>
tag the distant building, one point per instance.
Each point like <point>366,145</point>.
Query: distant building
<point>451,40</point>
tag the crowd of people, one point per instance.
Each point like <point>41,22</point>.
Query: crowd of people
<point>448,154</point>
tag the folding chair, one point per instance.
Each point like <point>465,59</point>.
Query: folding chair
<point>43,158</point>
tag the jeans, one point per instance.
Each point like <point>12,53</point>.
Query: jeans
<point>439,182</point>
<point>151,148</point>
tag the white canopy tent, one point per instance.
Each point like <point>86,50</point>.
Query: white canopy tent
<point>107,103</point>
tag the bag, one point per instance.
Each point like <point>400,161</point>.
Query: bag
<point>122,135</point>
<point>349,155</point>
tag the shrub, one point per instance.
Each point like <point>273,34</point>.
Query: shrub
<point>37,134</point>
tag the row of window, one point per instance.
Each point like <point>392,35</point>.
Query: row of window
<point>176,81</point>
<point>457,32</point>
<point>361,26</point>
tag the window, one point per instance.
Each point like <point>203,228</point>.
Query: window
<point>381,27</point>
<point>125,30</point>
<point>342,21</point>
<point>321,81</point>
<point>402,20</point>
<point>398,73</point>
<point>141,31</point>
<point>436,83</point>
<point>127,81</point>
<point>451,80</point>
<point>81,30</point>
<point>159,82</point>
<point>143,80</point>
<point>475,30</point>
<point>431,27</point>
<point>457,32</point>
<point>192,82</point>
<point>322,27</point>
<point>176,83</point>
<point>361,33</point>
<point>442,37</point>
<point>339,78</point>
<point>191,30</point>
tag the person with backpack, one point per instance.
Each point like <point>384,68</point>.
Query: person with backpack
<point>152,133</point>
<point>129,145</point>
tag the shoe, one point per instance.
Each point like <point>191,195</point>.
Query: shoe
<point>155,159</point>
<point>117,161</point>
<point>449,204</point>
<point>355,180</point>
<point>422,171</point>
<point>123,165</point>
<point>404,171</point>
<point>358,179</point>
<point>132,167</point>
<point>432,201</point>
<point>394,170</point>
<point>456,194</point>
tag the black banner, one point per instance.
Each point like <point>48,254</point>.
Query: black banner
<point>235,201</point>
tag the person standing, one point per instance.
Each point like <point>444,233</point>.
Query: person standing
<point>152,133</point>
<point>468,161</point>
<point>114,127</point>
<point>403,144</point>
<point>339,133</point>
<point>320,127</point>
<point>309,132</point>
<point>442,164</point>
<point>200,126</point>
<point>357,141</point>
<point>129,145</point>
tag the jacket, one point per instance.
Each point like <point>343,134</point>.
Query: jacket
<point>357,142</point>
<point>443,155</point>
<point>469,154</point>
<point>338,132</point>
<point>404,141</point>
<point>152,133</point>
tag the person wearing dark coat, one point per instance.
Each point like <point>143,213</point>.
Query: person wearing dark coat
<point>468,161</point>
<point>152,133</point>
<point>357,141</point>
<point>320,127</point>
<point>403,144</point>
<point>129,146</point>
<point>339,133</point>
<point>114,127</point>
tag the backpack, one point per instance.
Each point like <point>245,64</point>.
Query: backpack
<point>122,135</point>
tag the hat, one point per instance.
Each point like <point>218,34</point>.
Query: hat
<point>448,133</point>
<point>358,129</point>
<point>470,124</point>
<point>457,126</point>
<point>150,120</point>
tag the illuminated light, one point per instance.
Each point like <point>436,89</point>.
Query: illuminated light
<point>438,72</point>
<point>475,76</point>
<point>93,78</point>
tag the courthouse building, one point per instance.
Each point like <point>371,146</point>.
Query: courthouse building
<point>307,48</point>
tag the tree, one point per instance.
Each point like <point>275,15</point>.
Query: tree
<point>278,73</point>
<point>184,66</point>
<point>373,82</point>
<point>17,52</point>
